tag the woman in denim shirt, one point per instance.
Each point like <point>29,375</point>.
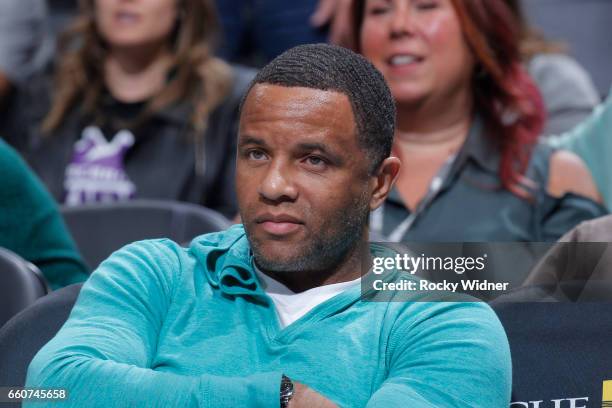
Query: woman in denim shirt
<point>469,118</point>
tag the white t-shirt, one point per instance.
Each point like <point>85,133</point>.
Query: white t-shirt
<point>290,306</point>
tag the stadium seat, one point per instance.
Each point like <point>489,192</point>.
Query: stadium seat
<point>21,284</point>
<point>582,24</point>
<point>27,332</point>
<point>560,350</point>
<point>100,229</point>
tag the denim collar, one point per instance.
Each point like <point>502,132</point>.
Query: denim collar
<point>479,148</point>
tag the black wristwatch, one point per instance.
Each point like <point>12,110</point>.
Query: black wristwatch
<point>286,391</point>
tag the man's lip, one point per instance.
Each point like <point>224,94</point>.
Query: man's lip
<point>280,228</point>
<point>279,218</point>
<point>280,224</point>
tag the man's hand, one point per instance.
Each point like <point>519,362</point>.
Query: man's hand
<point>337,14</point>
<point>305,397</point>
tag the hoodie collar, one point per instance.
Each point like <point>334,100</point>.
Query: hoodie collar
<point>226,259</point>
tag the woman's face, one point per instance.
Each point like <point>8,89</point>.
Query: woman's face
<point>127,23</point>
<point>419,47</point>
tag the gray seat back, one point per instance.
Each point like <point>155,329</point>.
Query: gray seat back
<point>100,229</point>
<point>21,284</point>
<point>28,331</point>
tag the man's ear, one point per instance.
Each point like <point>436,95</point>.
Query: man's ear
<point>383,180</point>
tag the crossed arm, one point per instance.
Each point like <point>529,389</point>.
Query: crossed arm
<point>104,353</point>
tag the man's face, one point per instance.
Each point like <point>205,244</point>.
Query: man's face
<point>302,179</point>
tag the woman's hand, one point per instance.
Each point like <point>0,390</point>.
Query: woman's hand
<point>336,13</point>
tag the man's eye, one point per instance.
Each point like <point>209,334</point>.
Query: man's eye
<point>315,161</point>
<point>256,155</point>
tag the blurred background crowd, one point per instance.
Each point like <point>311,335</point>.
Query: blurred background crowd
<point>503,126</point>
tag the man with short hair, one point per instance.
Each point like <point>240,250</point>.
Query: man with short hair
<point>270,313</point>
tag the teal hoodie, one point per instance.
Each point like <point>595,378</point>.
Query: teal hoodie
<point>158,325</point>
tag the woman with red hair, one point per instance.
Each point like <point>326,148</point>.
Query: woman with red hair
<point>468,121</point>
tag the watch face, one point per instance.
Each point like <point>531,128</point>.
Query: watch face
<point>286,391</point>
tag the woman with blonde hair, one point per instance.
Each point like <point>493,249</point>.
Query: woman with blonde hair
<point>139,107</point>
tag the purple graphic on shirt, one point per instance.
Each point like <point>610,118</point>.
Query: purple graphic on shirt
<point>96,172</point>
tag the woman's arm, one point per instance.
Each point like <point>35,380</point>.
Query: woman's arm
<point>569,174</point>
<point>592,142</point>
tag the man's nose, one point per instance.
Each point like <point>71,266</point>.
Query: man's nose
<point>278,184</point>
